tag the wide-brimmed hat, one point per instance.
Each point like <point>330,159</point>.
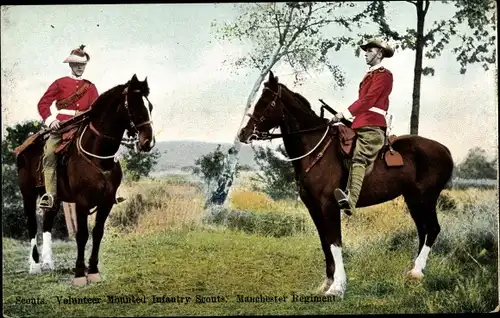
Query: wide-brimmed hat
<point>77,56</point>
<point>386,49</point>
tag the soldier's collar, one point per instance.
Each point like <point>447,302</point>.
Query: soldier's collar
<point>373,68</point>
<point>71,75</point>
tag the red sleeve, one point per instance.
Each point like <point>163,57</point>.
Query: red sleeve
<point>382,82</point>
<point>93,94</point>
<point>47,99</point>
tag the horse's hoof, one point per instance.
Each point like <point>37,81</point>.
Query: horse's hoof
<point>35,268</point>
<point>94,278</point>
<point>415,274</point>
<point>48,265</point>
<point>337,290</point>
<point>79,281</point>
<point>324,286</point>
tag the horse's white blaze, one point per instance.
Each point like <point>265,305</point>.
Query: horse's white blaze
<point>47,250</point>
<point>146,105</point>
<point>34,267</point>
<point>421,260</point>
<point>339,276</point>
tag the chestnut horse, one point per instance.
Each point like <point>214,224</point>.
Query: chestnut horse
<point>88,174</point>
<point>426,170</point>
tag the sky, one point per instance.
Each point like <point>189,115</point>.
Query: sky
<point>196,97</point>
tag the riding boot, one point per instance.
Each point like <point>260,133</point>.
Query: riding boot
<point>48,199</point>
<point>347,200</point>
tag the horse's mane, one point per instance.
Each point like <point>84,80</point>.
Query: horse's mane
<point>303,101</point>
<point>107,97</point>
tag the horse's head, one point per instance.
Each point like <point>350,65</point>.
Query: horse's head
<point>139,112</point>
<point>267,113</point>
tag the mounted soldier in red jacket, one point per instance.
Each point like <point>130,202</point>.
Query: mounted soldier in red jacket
<point>369,112</point>
<point>65,98</point>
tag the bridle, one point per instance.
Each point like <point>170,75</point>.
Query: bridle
<point>258,135</point>
<point>132,127</point>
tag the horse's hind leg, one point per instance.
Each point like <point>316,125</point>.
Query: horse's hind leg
<point>48,222</point>
<point>82,236</point>
<point>29,203</point>
<point>97,234</point>
<point>425,215</point>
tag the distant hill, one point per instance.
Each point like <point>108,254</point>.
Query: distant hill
<point>180,154</point>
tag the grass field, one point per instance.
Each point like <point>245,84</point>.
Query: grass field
<point>158,245</point>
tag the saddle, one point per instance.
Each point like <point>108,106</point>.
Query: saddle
<point>348,137</point>
<point>68,136</point>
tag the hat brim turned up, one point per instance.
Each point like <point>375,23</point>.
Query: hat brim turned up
<point>386,49</point>
<point>76,59</point>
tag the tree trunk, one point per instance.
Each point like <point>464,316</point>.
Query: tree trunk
<point>415,110</point>
<point>219,193</point>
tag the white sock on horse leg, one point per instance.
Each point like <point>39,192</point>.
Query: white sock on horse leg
<point>339,276</point>
<point>339,263</point>
<point>34,267</point>
<point>33,245</point>
<point>47,248</point>
<point>421,260</point>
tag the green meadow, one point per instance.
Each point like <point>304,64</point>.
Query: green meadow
<point>164,255</point>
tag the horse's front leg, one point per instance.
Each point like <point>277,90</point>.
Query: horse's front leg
<point>82,235</point>
<point>319,222</point>
<point>48,223</point>
<point>334,239</point>
<point>97,234</point>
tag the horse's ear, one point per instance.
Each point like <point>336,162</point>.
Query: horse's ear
<point>134,79</point>
<point>146,81</point>
<point>271,76</point>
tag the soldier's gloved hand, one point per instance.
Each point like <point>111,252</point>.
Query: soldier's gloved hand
<point>55,124</point>
<point>336,118</point>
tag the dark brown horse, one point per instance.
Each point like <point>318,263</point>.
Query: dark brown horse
<point>87,174</point>
<point>427,168</point>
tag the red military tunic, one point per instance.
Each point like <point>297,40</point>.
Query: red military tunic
<point>373,99</point>
<point>60,90</point>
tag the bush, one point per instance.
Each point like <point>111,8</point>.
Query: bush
<point>277,176</point>
<point>471,234</point>
<point>127,218</point>
<point>446,202</point>
<point>267,223</point>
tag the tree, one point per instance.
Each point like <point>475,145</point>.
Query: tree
<point>477,166</point>
<point>210,168</point>
<point>477,45</point>
<point>137,164</point>
<point>289,33</point>
<point>277,176</point>
<point>15,136</point>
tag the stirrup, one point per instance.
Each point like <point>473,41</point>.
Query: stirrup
<point>343,201</point>
<point>46,202</point>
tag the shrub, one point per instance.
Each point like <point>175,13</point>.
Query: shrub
<point>266,223</point>
<point>127,218</point>
<point>446,202</point>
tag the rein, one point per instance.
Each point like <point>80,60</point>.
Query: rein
<point>268,136</point>
<point>101,135</point>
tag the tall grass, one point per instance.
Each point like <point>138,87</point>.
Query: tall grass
<point>153,206</point>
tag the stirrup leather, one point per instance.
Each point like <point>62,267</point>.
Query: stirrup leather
<point>46,202</point>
